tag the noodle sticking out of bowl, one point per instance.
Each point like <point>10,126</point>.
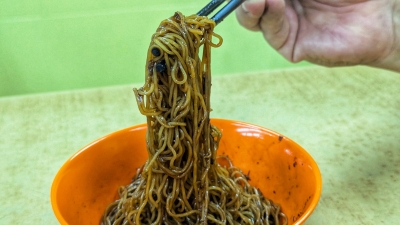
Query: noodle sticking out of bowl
<point>181,182</point>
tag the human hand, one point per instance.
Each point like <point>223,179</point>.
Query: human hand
<point>329,32</point>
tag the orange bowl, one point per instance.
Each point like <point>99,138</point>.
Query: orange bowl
<point>283,170</point>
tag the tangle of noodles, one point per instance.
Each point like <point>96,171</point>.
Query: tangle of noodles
<point>181,182</point>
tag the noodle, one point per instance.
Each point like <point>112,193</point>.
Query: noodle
<point>181,182</point>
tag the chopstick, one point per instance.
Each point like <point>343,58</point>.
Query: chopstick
<point>226,10</point>
<point>210,7</point>
<point>221,14</point>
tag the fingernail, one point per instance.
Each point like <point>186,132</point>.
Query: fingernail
<point>244,6</point>
<point>249,2</point>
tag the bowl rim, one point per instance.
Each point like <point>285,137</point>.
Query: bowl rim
<point>57,178</point>
<point>306,214</point>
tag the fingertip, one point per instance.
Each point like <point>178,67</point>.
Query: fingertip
<point>254,8</point>
<point>250,13</point>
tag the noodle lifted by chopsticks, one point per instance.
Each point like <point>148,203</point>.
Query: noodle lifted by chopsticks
<point>181,182</point>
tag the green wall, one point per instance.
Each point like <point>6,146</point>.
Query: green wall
<point>50,45</point>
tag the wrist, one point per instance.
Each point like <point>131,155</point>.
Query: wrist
<point>392,60</point>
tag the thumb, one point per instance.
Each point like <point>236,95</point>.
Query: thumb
<point>250,13</point>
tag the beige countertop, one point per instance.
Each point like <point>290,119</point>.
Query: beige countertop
<point>347,118</point>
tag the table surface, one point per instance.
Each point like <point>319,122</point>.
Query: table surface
<point>347,118</point>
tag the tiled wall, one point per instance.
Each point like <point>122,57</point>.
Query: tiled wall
<point>51,45</point>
